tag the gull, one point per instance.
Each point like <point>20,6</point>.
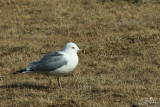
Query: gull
<point>55,63</point>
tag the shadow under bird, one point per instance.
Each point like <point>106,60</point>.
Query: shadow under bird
<point>55,63</point>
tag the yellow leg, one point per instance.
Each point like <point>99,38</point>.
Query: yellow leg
<point>59,82</point>
<point>51,82</point>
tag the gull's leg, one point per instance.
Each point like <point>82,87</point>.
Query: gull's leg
<point>59,82</point>
<point>51,81</point>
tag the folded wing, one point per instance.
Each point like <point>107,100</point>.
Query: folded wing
<point>49,62</point>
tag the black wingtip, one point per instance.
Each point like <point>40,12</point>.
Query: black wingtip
<point>20,71</point>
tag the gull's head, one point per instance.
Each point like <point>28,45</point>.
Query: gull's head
<point>71,48</point>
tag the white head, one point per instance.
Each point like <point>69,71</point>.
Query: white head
<point>71,48</point>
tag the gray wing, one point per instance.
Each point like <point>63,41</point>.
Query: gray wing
<point>49,62</point>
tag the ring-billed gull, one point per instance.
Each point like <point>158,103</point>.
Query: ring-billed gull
<point>55,63</point>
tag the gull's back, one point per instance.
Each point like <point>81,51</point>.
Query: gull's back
<point>49,62</point>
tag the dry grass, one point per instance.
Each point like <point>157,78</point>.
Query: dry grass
<point>119,65</point>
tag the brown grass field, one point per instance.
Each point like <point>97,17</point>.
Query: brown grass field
<point>119,63</point>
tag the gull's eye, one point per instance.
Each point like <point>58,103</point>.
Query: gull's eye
<point>73,47</point>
